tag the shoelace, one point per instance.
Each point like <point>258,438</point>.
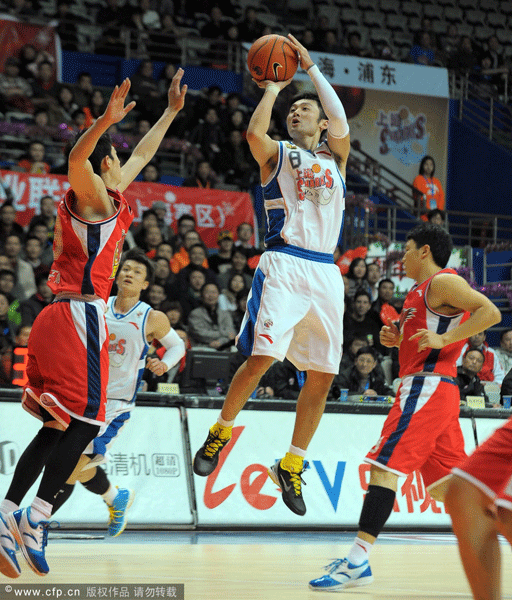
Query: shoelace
<point>115,515</point>
<point>44,531</point>
<point>296,478</point>
<point>214,446</point>
<point>331,567</point>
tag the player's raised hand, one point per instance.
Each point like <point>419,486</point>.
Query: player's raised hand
<point>176,96</point>
<point>156,366</point>
<point>116,110</point>
<point>304,58</point>
<point>427,339</point>
<point>281,84</point>
<point>389,334</point>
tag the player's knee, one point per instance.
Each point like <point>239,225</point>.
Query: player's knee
<point>258,365</point>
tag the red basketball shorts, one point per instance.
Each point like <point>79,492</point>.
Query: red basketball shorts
<point>67,365</point>
<point>422,430</point>
<point>490,466</point>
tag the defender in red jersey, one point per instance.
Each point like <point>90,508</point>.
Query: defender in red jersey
<point>422,430</point>
<point>68,347</point>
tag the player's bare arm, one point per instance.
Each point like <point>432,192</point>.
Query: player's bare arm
<point>263,147</point>
<point>158,327</point>
<point>91,199</point>
<point>148,145</point>
<point>450,294</point>
<point>339,145</point>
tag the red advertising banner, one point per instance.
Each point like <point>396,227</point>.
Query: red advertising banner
<point>15,34</point>
<point>213,209</point>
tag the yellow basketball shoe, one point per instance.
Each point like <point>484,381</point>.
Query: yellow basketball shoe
<point>287,475</point>
<point>207,457</point>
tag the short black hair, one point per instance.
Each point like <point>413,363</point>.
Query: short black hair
<point>367,350</point>
<point>424,160</point>
<point>436,211</point>
<point>439,240</point>
<point>310,96</point>
<point>504,332</point>
<point>103,148</point>
<point>9,272</point>
<point>471,349</point>
<point>137,255</point>
<point>385,280</point>
<point>186,217</point>
<point>362,292</point>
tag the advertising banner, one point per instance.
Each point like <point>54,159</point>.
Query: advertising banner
<point>148,458</point>
<point>213,209</point>
<point>239,492</point>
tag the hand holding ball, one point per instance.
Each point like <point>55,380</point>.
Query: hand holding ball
<point>272,58</point>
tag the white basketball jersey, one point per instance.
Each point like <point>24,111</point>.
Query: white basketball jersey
<point>127,349</point>
<point>305,199</point>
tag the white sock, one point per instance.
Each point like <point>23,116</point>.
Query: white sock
<point>224,423</point>
<point>6,506</point>
<point>359,552</point>
<point>110,495</point>
<point>297,451</point>
<point>40,510</point>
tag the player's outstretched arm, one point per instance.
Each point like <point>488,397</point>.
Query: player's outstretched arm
<point>148,145</point>
<point>262,146</point>
<point>448,290</point>
<point>338,136</point>
<point>90,191</point>
<point>158,327</point>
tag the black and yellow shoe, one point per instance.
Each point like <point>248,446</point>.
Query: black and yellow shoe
<point>207,457</point>
<point>287,475</point>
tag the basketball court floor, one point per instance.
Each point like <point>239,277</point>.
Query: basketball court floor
<point>255,565</point>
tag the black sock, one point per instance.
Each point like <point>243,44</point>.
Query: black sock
<point>99,484</point>
<point>377,506</point>
<point>31,463</point>
<point>64,458</point>
<point>63,494</point>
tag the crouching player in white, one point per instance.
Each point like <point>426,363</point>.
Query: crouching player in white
<point>132,326</point>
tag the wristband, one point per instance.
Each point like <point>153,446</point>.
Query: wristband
<point>273,88</point>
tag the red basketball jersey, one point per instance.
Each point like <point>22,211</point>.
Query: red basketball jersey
<point>417,314</point>
<point>86,254</point>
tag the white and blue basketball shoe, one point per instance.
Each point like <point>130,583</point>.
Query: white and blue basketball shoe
<point>122,502</point>
<point>8,563</point>
<point>342,575</point>
<point>32,539</point>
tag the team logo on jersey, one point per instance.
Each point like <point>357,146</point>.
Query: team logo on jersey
<point>315,186</point>
<point>405,315</point>
<point>267,337</point>
<point>290,146</point>
<point>134,324</point>
<point>268,323</point>
<point>420,292</point>
<point>116,350</point>
<point>117,255</point>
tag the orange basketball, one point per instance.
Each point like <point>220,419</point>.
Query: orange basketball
<point>272,58</point>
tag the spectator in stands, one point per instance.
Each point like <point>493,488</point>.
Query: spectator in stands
<point>156,297</point>
<point>363,377</point>
<point>145,91</point>
<point>163,44</point>
<point>41,128</point>
<point>152,239</point>
<point>208,325</point>
<point>7,331</point>
<point>436,216</point>
<point>46,215</point>
<point>66,103</point>
<point>191,298</point>
<point>221,261</point>
<point>176,316</point>
<point>6,357</point>
<point>361,320</point>
<point>211,98</point>
<point>203,178</point>
<point>77,123</point>
<point>357,277</point>
<point>148,219</point>
<point>465,59</point>
<point>208,136</point>
<point>8,223</point>
<point>331,43</point>
<point>83,88</point>
<point>228,296</point>
<point>354,48</point>
<point>45,87</point>
<point>163,275</point>
<point>467,375</point>
<point>238,265</point>
<point>30,308</point>
<point>25,281</point>
<point>216,27</point>
<point>450,42</point>
<point>8,283</point>
<point>308,39</point>
<point>422,52</point>
<point>349,357</point>
<point>249,28</point>
<point>491,369</point>
<point>244,233</point>
<point>181,258</point>
<point>29,58</point>
<point>32,252</point>
<point>95,108</point>
<point>506,386</point>
<point>428,191</point>
<point>185,223</point>
<point>235,161</point>
<point>67,26</point>
<point>164,251</point>
<point>373,275</point>
<point>34,161</point>
<point>39,228</point>
<point>504,352</point>
<point>384,51</point>
<point>198,257</point>
<point>282,380</point>
<point>145,18</point>
<point>151,173</point>
<point>112,18</point>
<point>235,120</point>
<point>241,306</point>
<point>385,291</point>
<point>15,91</point>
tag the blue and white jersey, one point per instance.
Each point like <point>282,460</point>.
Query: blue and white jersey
<point>304,200</point>
<point>127,349</point>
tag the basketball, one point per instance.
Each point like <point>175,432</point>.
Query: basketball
<point>272,58</point>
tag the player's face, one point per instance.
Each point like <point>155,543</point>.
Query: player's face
<point>303,118</point>
<point>132,277</point>
<point>411,259</point>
